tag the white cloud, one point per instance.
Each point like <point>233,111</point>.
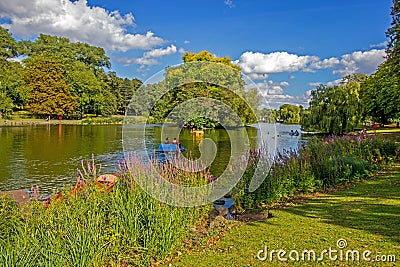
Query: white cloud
<point>229,3</point>
<point>150,57</point>
<point>360,62</point>
<point>77,21</point>
<point>275,96</point>
<point>258,76</point>
<point>160,52</point>
<point>380,45</point>
<point>186,42</point>
<point>259,63</point>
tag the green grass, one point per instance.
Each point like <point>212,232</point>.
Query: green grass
<point>365,214</point>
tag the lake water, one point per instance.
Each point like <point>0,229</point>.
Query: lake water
<point>49,155</point>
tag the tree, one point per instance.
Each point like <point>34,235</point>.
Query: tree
<point>393,33</point>
<point>11,84</point>
<point>50,94</point>
<point>381,91</point>
<point>289,114</point>
<point>335,109</point>
<point>199,77</point>
<point>380,94</point>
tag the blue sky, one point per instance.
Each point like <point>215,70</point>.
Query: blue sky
<point>286,47</point>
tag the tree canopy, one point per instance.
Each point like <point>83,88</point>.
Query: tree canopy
<point>204,76</point>
<point>80,84</point>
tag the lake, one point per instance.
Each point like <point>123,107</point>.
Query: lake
<point>49,155</point>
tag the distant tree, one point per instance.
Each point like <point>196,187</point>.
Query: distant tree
<point>289,114</point>
<point>267,115</point>
<point>50,94</point>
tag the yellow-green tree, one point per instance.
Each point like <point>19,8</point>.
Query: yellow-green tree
<point>50,94</point>
<point>199,77</point>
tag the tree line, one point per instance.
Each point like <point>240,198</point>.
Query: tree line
<point>56,77</point>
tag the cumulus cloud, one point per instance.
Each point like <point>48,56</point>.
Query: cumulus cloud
<point>150,57</point>
<point>77,21</point>
<point>258,65</point>
<point>360,62</point>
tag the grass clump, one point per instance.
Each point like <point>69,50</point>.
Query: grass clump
<point>91,226</point>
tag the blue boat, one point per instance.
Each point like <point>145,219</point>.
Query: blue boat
<point>170,148</point>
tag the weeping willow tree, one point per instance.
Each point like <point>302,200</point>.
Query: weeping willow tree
<point>337,109</point>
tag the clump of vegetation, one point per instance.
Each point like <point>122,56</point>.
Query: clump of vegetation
<point>89,226</point>
<point>318,165</point>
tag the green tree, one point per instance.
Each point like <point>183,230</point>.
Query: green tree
<point>381,91</point>
<point>50,94</point>
<point>224,83</point>
<point>289,114</point>
<point>12,94</point>
<point>393,33</point>
<point>335,109</point>
<point>380,94</point>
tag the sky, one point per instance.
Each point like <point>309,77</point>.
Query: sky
<point>286,47</point>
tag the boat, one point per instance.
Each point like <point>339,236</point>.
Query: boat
<point>162,148</point>
<point>197,132</point>
<point>296,133</point>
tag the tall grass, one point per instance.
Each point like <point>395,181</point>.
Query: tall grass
<point>317,165</point>
<point>90,226</point>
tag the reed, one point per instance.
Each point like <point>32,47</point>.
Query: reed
<point>89,227</point>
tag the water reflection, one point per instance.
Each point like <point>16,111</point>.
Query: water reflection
<point>48,155</point>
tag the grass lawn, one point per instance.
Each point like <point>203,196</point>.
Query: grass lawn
<point>366,215</point>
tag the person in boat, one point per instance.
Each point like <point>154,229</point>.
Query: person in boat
<point>296,133</point>
<point>166,141</point>
<point>175,141</point>
<point>291,132</point>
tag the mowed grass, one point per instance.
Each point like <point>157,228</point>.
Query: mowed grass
<point>365,214</point>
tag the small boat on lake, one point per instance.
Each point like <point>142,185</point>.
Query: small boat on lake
<point>163,148</point>
<point>294,133</point>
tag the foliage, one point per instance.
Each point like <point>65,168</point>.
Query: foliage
<point>319,164</point>
<point>223,83</point>
<point>381,93</point>
<point>50,95</point>
<point>335,109</point>
<point>393,33</point>
<point>8,46</point>
<point>88,226</point>
<point>290,114</point>
<point>83,72</point>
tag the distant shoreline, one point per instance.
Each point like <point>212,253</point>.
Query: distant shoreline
<point>53,122</point>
